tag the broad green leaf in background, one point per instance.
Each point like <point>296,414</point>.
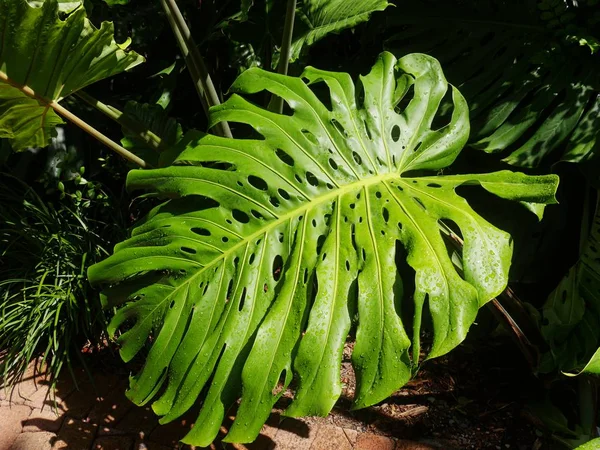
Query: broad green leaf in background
<point>271,250</point>
<point>152,118</point>
<point>571,315</point>
<point>64,6</point>
<point>45,58</point>
<point>533,95</point>
<point>318,18</point>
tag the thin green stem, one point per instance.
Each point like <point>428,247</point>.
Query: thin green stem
<point>99,136</point>
<point>284,55</point>
<point>135,127</point>
<point>195,63</point>
<point>77,121</point>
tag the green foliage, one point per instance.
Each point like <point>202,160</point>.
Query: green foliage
<point>533,96</point>
<point>152,118</point>
<point>35,39</point>
<point>571,315</point>
<point>47,307</point>
<point>275,248</point>
<point>319,18</point>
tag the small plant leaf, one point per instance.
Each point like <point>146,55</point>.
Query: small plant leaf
<point>273,249</point>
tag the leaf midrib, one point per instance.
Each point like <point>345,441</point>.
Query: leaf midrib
<point>289,216</point>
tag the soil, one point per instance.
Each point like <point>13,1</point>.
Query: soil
<point>473,398</point>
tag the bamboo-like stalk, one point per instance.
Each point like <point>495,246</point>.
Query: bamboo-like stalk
<point>284,55</point>
<point>77,121</point>
<point>195,63</point>
<point>122,119</point>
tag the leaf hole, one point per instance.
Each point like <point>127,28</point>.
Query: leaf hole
<point>395,133</point>
<point>242,300</point>
<point>312,179</point>
<point>258,183</point>
<point>200,231</point>
<point>367,131</point>
<point>284,194</point>
<point>224,239</point>
<point>333,164</point>
<point>386,214</point>
<point>277,267</point>
<point>419,202</point>
<point>274,201</point>
<point>240,216</point>
<point>357,158</point>
<point>256,214</point>
<point>310,136</point>
<point>280,386</point>
<point>283,156</point>
<point>339,127</point>
<point>251,259</point>
<point>320,242</point>
<point>189,250</point>
<point>434,185</point>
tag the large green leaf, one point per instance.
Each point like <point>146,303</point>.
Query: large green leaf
<point>571,315</point>
<point>272,248</point>
<point>44,58</point>
<point>318,18</point>
<point>533,96</point>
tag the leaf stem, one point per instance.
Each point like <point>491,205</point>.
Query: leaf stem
<point>77,121</point>
<point>195,63</point>
<point>284,55</point>
<point>99,136</point>
<point>153,141</point>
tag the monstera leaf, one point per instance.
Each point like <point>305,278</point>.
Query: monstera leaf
<point>534,96</point>
<point>272,250</point>
<point>43,59</point>
<point>571,315</point>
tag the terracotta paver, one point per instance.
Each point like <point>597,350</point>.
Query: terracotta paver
<point>98,416</point>
<point>368,441</point>
<point>10,423</point>
<point>42,440</point>
<point>330,437</point>
<point>76,434</point>
<point>139,421</point>
<point>46,419</point>
<point>294,434</point>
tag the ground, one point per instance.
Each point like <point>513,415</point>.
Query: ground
<point>474,398</point>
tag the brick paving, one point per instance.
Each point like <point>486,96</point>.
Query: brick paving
<point>98,416</point>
